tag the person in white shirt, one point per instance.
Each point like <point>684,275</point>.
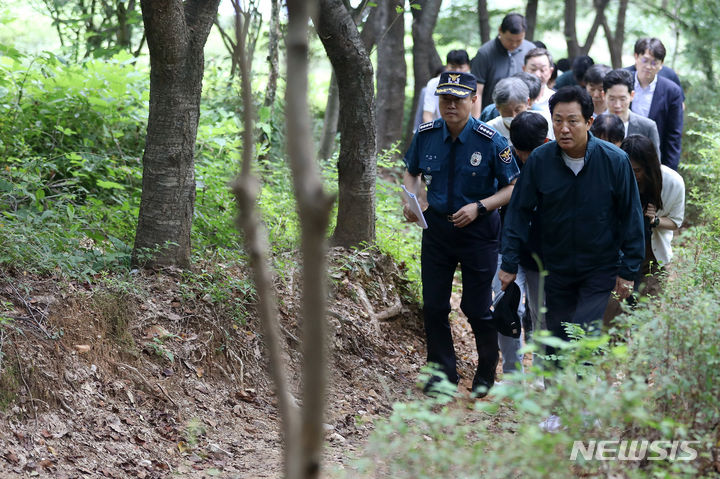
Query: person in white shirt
<point>538,62</point>
<point>662,195</point>
<point>457,61</point>
<point>511,97</point>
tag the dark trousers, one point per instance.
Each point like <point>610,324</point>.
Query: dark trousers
<point>475,248</point>
<point>578,299</point>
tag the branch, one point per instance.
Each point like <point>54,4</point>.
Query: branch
<point>599,18</point>
<point>662,11</point>
<point>229,44</point>
<point>606,28</point>
<point>356,13</point>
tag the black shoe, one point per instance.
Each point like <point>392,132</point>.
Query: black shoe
<point>481,385</point>
<point>438,386</point>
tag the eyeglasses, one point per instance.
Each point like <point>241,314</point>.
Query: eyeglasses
<point>652,62</point>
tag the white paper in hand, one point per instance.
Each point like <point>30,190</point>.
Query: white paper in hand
<point>415,208</point>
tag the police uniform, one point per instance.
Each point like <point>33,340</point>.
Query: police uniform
<point>457,173</point>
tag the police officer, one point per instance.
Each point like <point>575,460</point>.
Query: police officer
<point>469,170</point>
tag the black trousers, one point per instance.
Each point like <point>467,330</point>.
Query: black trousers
<point>475,248</point>
<point>578,299</point>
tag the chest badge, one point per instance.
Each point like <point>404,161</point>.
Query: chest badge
<point>476,158</point>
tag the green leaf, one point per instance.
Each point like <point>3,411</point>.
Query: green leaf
<point>399,9</point>
<point>65,131</point>
<point>415,6</point>
<point>110,185</point>
<point>11,52</point>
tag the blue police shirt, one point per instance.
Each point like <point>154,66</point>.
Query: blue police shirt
<point>471,168</point>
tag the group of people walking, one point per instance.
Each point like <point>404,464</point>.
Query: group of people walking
<point>519,178</point>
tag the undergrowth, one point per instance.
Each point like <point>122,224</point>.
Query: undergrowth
<point>655,377</point>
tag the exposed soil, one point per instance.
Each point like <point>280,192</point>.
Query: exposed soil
<point>147,379</point>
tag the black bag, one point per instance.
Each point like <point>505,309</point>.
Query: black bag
<point>505,315</point>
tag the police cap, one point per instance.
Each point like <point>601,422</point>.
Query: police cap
<point>457,84</point>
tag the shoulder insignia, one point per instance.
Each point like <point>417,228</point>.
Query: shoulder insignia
<point>485,130</point>
<point>506,155</point>
<point>426,126</point>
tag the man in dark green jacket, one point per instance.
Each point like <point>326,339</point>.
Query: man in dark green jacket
<point>592,222</point>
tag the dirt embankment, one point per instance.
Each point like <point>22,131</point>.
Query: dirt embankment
<point>148,377</point>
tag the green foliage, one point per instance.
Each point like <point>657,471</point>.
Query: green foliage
<point>656,377</point>
<point>71,142</point>
<point>394,236</point>
<point>229,292</point>
<point>99,28</point>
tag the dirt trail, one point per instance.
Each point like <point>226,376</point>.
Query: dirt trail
<point>99,381</point>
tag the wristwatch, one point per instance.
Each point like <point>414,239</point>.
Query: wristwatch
<point>655,223</point>
<point>481,208</point>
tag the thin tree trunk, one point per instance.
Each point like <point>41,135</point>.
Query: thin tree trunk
<point>330,120</point>
<point>391,74</point>
<point>483,21</point>
<point>425,57</point>
<point>357,160</point>
<point>303,433</point>
<point>176,35</point>
<point>272,58</point>
<point>573,46</point>
<point>531,18</point>
<point>617,39</point>
<point>570,30</point>
<point>314,208</point>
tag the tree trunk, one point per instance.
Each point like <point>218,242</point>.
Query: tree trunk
<point>330,120</point>
<point>573,46</point>
<point>124,28</point>
<point>484,21</point>
<point>616,40</point>
<point>357,160</point>
<point>531,18</point>
<point>272,58</point>
<point>176,35</point>
<point>425,57</point>
<point>332,106</point>
<point>391,74</point>
<point>302,433</point>
<point>314,208</point>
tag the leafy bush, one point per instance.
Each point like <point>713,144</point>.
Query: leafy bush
<point>655,378</point>
<point>70,172</point>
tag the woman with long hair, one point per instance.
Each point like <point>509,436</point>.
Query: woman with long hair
<point>662,195</point>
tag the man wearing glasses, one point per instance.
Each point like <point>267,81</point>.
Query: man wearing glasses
<point>659,99</point>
